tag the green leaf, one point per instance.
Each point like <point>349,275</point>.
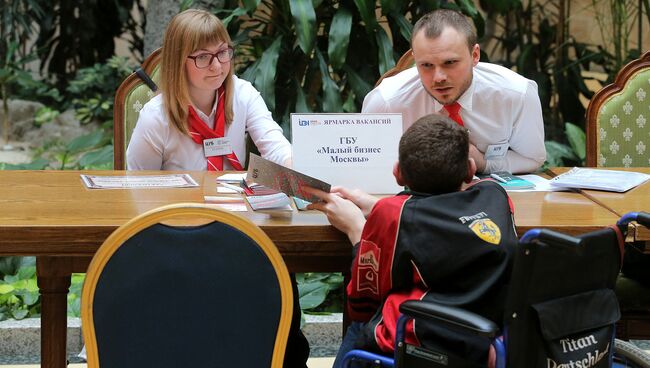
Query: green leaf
<point>467,7</point>
<point>358,84</point>
<point>332,98</point>
<point>251,5</point>
<point>28,298</point>
<point>301,102</point>
<point>386,60</point>
<point>339,37</point>
<point>6,288</point>
<point>250,72</point>
<point>405,27</point>
<point>265,78</point>
<point>19,313</point>
<point>348,105</point>
<point>389,6</point>
<point>85,142</point>
<point>38,164</point>
<point>9,265</point>
<point>367,13</point>
<point>184,5</point>
<point>312,295</point>
<point>577,139</point>
<point>304,19</point>
<point>234,14</point>
<point>95,158</point>
<point>45,115</point>
<point>556,153</point>
<point>27,272</point>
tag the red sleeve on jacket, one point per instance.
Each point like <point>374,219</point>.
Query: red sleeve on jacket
<point>370,281</point>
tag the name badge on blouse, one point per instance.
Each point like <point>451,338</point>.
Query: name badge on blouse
<point>216,147</point>
<point>496,151</point>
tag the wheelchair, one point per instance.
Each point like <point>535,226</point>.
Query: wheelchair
<point>560,310</point>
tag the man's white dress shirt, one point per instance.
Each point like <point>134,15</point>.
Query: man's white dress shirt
<point>500,106</point>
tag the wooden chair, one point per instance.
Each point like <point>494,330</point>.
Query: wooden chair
<point>617,129</point>
<point>130,96</point>
<point>618,119</point>
<point>168,290</point>
<point>404,62</point>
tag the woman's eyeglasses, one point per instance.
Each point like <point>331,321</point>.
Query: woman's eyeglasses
<point>204,60</point>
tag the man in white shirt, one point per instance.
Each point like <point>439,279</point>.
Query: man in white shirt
<point>500,108</point>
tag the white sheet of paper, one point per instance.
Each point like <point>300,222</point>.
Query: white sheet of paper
<point>232,178</point>
<point>138,181</point>
<point>599,179</point>
<point>352,150</point>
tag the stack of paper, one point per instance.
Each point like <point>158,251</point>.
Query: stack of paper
<point>609,180</point>
<point>232,178</point>
<point>277,201</point>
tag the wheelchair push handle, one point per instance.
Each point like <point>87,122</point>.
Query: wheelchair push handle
<point>550,237</point>
<point>642,218</point>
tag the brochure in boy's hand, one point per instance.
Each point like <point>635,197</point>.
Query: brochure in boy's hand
<point>281,178</point>
<point>608,180</point>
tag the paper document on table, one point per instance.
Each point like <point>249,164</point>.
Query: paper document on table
<point>541,184</point>
<point>285,180</point>
<point>277,201</point>
<point>138,181</point>
<point>232,178</point>
<point>608,180</point>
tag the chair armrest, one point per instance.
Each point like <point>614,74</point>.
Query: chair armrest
<point>643,218</point>
<point>450,316</point>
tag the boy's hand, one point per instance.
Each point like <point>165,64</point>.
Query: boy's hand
<point>362,199</point>
<point>343,214</point>
<point>478,156</point>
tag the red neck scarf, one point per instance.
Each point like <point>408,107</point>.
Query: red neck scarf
<point>199,131</point>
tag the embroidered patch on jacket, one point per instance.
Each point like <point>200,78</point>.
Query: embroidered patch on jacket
<point>487,230</point>
<point>368,267</point>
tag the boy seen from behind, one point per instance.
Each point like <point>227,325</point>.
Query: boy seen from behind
<point>433,242</point>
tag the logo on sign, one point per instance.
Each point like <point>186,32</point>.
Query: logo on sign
<point>303,122</point>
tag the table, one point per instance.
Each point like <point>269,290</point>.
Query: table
<point>51,215</point>
<point>634,200</point>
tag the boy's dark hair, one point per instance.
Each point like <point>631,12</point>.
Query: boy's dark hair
<point>435,22</point>
<point>433,155</point>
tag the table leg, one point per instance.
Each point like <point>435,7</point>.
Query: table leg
<point>53,275</point>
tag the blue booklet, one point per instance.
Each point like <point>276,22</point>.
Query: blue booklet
<point>509,181</point>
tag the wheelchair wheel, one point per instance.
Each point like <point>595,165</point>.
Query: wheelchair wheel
<point>628,355</point>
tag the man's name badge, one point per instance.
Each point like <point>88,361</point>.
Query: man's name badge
<point>216,147</point>
<point>496,150</point>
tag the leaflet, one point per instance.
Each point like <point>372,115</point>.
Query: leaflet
<point>608,180</point>
<point>138,181</point>
<point>283,179</point>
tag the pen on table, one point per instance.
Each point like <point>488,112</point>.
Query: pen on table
<point>233,187</point>
<point>498,178</point>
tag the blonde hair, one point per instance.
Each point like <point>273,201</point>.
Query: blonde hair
<point>189,31</point>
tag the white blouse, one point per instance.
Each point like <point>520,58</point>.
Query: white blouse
<point>158,145</point>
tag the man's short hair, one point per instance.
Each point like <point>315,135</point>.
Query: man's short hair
<point>433,155</point>
<point>435,22</point>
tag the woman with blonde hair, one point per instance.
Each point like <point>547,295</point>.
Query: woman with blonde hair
<point>200,120</point>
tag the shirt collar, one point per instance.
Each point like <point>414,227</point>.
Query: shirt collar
<point>208,119</point>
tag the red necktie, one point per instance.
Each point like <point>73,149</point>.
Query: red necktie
<point>200,131</point>
<point>454,112</point>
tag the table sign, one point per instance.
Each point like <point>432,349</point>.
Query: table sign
<point>138,181</point>
<point>352,150</point>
